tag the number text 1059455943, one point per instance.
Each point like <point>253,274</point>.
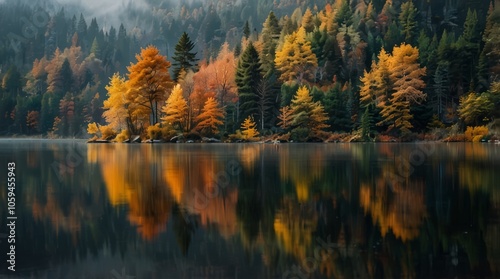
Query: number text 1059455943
<point>11,215</point>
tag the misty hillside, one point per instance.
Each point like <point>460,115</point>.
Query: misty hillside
<point>57,57</point>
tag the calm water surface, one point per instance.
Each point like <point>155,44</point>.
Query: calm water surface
<point>252,210</point>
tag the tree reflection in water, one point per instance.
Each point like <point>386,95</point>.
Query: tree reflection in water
<point>438,220</point>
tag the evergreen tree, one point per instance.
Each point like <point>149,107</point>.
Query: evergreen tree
<point>366,125</point>
<point>440,92</point>
<point>246,30</point>
<point>269,36</point>
<point>336,105</point>
<point>407,19</point>
<point>248,78</point>
<point>95,48</point>
<point>344,14</point>
<point>184,57</point>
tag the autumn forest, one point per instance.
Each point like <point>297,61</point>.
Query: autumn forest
<point>336,70</point>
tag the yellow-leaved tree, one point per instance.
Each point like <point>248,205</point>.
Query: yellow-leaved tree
<point>210,118</point>
<point>249,128</point>
<point>295,59</point>
<point>308,117</point>
<point>176,110</point>
<point>376,85</point>
<point>406,77</point>
<point>149,82</point>
<point>116,107</point>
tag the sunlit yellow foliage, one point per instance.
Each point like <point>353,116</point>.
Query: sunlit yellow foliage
<point>474,107</point>
<point>407,84</point>
<point>116,107</point>
<point>107,132</point>
<point>154,132</point>
<point>475,134</point>
<point>295,60</point>
<point>176,109</point>
<point>122,136</point>
<point>306,113</point>
<point>249,128</point>
<point>92,128</point>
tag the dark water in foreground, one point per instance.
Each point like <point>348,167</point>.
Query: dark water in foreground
<point>252,210</point>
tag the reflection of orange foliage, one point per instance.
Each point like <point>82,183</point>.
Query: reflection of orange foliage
<point>149,209</point>
<point>221,211</point>
<point>131,179</point>
<point>69,222</point>
<point>148,178</point>
<point>294,225</point>
<point>402,214</point>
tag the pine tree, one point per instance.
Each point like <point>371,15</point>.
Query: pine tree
<point>269,36</point>
<point>336,103</point>
<point>248,77</point>
<point>95,49</point>
<point>441,85</point>
<point>344,14</point>
<point>210,118</point>
<point>246,30</point>
<point>366,124</point>
<point>407,19</point>
<point>183,56</point>
<point>175,109</point>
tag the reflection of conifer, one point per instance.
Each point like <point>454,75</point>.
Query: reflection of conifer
<point>184,228</point>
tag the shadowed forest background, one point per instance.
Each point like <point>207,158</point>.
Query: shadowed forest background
<point>307,70</point>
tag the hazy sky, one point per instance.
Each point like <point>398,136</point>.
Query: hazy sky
<point>107,12</point>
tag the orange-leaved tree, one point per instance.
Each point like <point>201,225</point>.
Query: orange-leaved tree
<point>210,118</point>
<point>149,82</point>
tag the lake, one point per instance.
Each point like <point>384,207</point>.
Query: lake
<point>363,210</point>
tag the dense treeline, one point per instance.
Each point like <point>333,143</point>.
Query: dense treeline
<point>365,68</point>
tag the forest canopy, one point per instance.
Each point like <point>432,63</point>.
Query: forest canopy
<point>300,70</point>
